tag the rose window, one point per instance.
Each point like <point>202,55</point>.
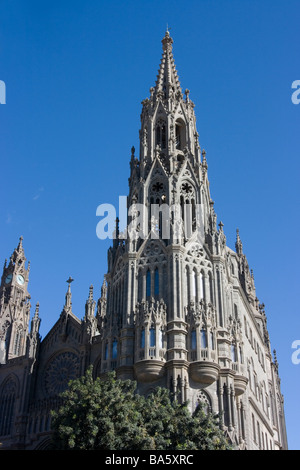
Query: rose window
<point>63,368</point>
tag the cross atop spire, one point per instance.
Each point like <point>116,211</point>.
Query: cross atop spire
<point>68,302</point>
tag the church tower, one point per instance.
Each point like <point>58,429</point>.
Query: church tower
<point>14,306</point>
<point>162,283</point>
<point>178,307</point>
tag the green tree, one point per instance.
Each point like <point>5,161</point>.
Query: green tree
<point>109,415</point>
<point>173,427</point>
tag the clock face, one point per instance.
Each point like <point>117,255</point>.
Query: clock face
<point>8,279</point>
<point>20,279</point>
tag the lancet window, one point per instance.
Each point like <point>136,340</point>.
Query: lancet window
<point>188,207</point>
<point>161,134</point>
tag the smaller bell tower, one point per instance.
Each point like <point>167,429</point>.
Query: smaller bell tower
<point>14,305</point>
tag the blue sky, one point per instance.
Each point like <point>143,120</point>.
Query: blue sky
<point>75,75</point>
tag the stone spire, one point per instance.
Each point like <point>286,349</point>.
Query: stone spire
<point>18,256</point>
<point>104,290</point>
<point>90,304</point>
<point>90,322</point>
<point>35,322</point>
<point>67,309</point>
<point>238,243</point>
<point>34,337</point>
<point>68,302</point>
<point>167,83</point>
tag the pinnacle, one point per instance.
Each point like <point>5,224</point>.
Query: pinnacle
<point>20,245</point>
<point>18,254</point>
<point>167,41</point>
<point>238,243</point>
<point>68,301</point>
<point>91,288</point>
<point>167,82</point>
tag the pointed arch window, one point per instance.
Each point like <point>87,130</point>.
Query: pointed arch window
<point>203,338</point>
<point>201,285</point>
<point>188,288</point>
<point>17,343</point>
<point>178,137</point>
<point>233,353</point>
<point>161,135</point>
<point>152,338</point>
<point>7,407</point>
<point>241,355</point>
<point>193,340</point>
<point>140,285</point>
<point>148,284</point>
<point>193,215</point>
<point>180,134</point>
<point>210,281</point>
<point>194,284</point>
<point>157,135</point>
<point>188,207</point>
<point>114,349</point>
<point>156,282</point>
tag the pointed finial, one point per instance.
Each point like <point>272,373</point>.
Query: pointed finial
<point>103,289</point>
<point>204,161</point>
<point>275,360</point>
<point>91,292</point>
<point>20,245</point>
<point>37,309</point>
<point>238,243</point>
<point>35,322</point>
<point>167,41</point>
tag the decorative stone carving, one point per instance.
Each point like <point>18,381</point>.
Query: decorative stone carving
<point>61,369</point>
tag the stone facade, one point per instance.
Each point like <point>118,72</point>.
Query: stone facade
<point>178,308</point>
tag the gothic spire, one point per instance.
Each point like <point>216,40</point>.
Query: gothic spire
<point>35,322</point>
<point>167,83</point>
<point>18,254</point>
<point>238,243</point>
<point>68,302</point>
<point>104,289</point>
<point>90,304</point>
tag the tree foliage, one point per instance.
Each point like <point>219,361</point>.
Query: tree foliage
<point>108,414</point>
